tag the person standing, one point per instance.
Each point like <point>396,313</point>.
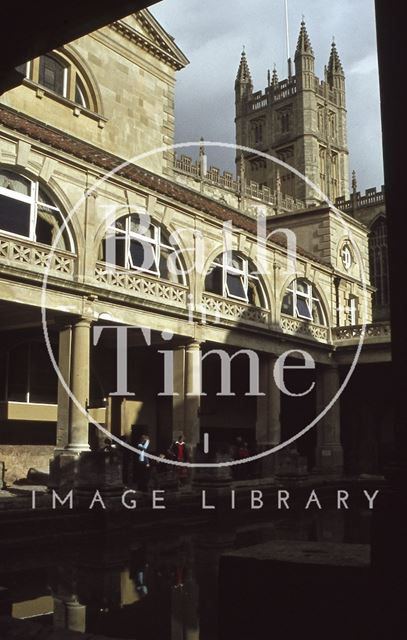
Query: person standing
<point>179,452</point>
<point>143,463</point>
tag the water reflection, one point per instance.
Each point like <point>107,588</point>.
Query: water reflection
<point>164,586</point>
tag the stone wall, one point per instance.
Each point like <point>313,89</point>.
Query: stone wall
<point>18,459</point>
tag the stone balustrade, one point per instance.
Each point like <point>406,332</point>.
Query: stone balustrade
<point>224,309</point>
<point>303,328</point>
<point>378,331</point>
<point>140,285</point>
<point>35,257</point>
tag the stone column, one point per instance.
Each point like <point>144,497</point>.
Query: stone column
<point>192,392</point>
<point>69,614</point>
<point>329,447</point>
<point>72,425</point>
<point>274,396</point>
<point>78,437</point>
<point>178,400</point>
<point>268,424</point>
<point>64,364</point>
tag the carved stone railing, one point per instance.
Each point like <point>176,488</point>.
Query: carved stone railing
<point>140,285</point>
<point>371,197</point>
<point>302,328</point>
<point>376,332</point>
<point>35,257</point>
<point>225,309</point>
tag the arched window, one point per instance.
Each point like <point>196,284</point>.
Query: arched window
<point>28,212</point>
<point>133,244</point>
<point>56,72</point>
<point>233,276</point>
<point>379,264</point>
<point>301,300</point>
<point>53,74</point>
<point>81,94</point>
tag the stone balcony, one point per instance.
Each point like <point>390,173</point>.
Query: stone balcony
<point>375,333</point>
<point>34,257</point>
<point>141,286</point>
<point>222,309</point>
<point>304,329</point>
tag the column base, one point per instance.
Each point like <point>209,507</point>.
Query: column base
<point>266,466</point>
<point>63,468</point>
<point>290,465</point>
<point>330,459</point>
<point>211,477</point>
<point>87,472</point>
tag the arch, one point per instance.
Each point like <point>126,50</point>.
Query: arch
<point>140,245</point>
<point>379,262</point>
<point>302,299</point>
<point>86,75</point>
<point>28,209</point>
<point>63,72</point>
<point>235,277</point>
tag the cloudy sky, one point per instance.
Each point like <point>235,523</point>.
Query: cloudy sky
<point>212,33</point>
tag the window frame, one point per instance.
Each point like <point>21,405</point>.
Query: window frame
<point>242,273</point>
<point>346,263</point>
<point>156,242</point>
<point>65,69</point>
<point>309,297</point>
<point>34,202</point>
<point>223,262</point>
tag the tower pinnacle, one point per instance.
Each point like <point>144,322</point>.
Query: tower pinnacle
<point>334,64</point>
<point>274,78</point>
<point>304,43</point>
<point>243,73</point>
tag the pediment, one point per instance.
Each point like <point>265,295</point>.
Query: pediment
<point>149,33</point>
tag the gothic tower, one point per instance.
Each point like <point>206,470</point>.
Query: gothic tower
<point>301,120</point>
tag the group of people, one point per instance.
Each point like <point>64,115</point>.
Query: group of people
<point>138,468</point>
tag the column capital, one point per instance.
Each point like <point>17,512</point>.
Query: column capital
<point>83,321</point>
<point>68,320</point>
<point>193,344</point>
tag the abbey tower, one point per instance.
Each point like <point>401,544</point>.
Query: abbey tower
<point>301,120</point>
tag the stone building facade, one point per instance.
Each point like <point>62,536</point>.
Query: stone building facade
<point>163,244</point>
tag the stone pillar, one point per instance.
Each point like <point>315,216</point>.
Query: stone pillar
<point>64,365</point>
<point>178,400</point>
<point>78,436</point>
<point>192,393</point>
<point>72,425</point>
<point>268,424</point>
<point>69,614</point>
<point>329,448</point>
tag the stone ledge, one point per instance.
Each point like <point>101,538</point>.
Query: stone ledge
<point>13,629</point>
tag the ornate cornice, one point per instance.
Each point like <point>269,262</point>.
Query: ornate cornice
<point>160,50</point>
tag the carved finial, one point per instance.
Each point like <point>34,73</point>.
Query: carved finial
<point>274,80</point>
<point>268,77</point>
<point>202,147</point>
<point>304,43</point>
<point>243,73</point>
<point>242,167</point>
<point>354,182</point>
<point>334,64</point>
